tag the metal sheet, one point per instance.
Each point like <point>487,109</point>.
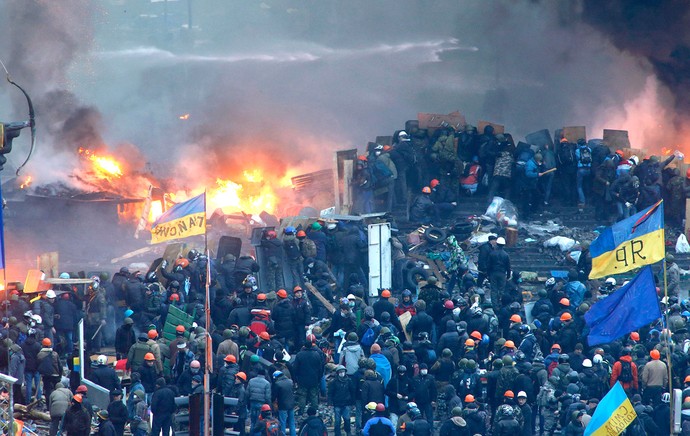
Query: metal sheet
<point>379,258</point>
<point>540,138</point>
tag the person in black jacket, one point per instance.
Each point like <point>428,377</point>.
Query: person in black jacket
<point>425,393</point>
<point>421,322</point>
<point>31,347</point>
<point>162,406</point>
<point>341,394</point>
<point>105,427</point>
<point>307,371</point>
<point>455,425</point>
<point>507,425</point>
<point>283,394</point>
<point>282,316</point>
<point>104,375</point>
<point>273,253</point>
<point>124,338</point>
<point>384,305</point>
<point>77,420</point>
<point>498,269</point>
<point>313,424</point>
<point>399,392</point>
<point>117,412</point>
<point>483,259</point>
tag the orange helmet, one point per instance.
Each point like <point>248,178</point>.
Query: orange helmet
<point>426,190</point>
<point>230,358</point>
<point>509,344</point>
<point>77,398</point>
<point>386,293</point>
<point>241,375</point>
<point>515,318</point>
<point>566,316</point>
<point>469,398</point>
<point>281,293</point>
<point>654,354</point>
<point>46,342</point>
<point>180,329</point>
<point>635,336</point>
<point>434,183</point>
<point>555,347</point>
<point>301,234</point>
<point>564,302</point>
<point>153,334</point>
<point>297,288</point>
<point>149,357</point>
<point>265,336</point>
<point>174,297</point>
<point>469,343</point>
<point>509,394</point>
<point>475,334</point>
<point>184,263</point>
<point>362,158</point>
<point>387,148</point>
<point>261,297</point>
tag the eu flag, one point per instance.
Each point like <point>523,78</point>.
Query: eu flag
<point>626,310</point>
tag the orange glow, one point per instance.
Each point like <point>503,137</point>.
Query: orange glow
<point>105,167</point>
<point>184,117</point>
<point>253,194</point>
<point>26,183</point>
<point>156,210</point>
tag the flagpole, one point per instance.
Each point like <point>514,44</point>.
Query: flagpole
<point>668,344</point>
<point>205,226</point>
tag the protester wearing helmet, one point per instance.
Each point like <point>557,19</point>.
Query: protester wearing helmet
<point>272,249</point>
<point>422,210</point>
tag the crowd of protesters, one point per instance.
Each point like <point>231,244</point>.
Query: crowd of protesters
<point>417,359</point>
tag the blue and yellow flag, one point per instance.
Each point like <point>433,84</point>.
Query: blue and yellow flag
<point>631,243</point>
<point>629,308</point>
<point>613,414</point>
<point>180,221</point>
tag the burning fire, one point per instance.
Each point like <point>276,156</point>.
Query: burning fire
<point>26,183</point>
<point>252,194</point>
<point>105,167</point>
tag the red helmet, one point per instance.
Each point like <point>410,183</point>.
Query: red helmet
<point>174,297</point>
<point>434,183</point>
<point>82,389</point>
<point>265,408</point>
<point>184,263</point>
<point>311,338</point>
<point>301,234</point>
<point>448,304</point>
<point>281,293</point>
<point>271,234</point>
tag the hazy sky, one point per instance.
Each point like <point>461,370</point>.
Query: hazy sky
<point>299,79</point>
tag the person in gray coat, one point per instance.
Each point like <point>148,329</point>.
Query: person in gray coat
<point>17,364</point>
<point>60,400</point>
<point>258,393</point>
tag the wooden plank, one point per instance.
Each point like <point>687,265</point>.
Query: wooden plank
<point>573,133</point>
<point>48,263</point>
<point>327,304</point>
<point>498,128</point>
<point>404,320</point>
<point>432,122</point>
<point>616,139</point>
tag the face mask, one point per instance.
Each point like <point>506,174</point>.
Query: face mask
<point>423,372</point>
<point>311,265</point>
<point>378,153</point>
<point>341,374</point>
<point>351,303</point>
<point>194,370</point>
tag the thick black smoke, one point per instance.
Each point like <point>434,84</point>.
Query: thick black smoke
<point>657,31</point>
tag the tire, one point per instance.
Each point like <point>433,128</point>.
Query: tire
<point>435,235</point>
<point>412,276</point>
<point>462,228</point>
<point>409,265</point>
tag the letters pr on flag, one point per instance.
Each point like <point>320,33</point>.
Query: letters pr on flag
<point>626,310</point>
<point>613,414</point>
<point>630,243</point>
<point>180,221</point>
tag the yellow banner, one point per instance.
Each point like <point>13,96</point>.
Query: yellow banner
<point>631,254</point>
<point>190,225</point>
<point>620,419</point>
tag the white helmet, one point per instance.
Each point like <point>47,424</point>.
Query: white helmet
<point>610,281</point>
<point>37,319</point>
<point>597,358</point>
<point>403,136</point>
<point>587,363</point>
<point>102,360</point>
<point>50,294</point>
<point>522,394</point>
<point>501,240</point>
<point>634,159</point>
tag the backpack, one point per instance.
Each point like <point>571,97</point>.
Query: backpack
<point>369,336</point>
<point>565,154</point>
<point>585,155</point>
<point>45,365</point>
<point>431,354</point>
<point>273,427</point>
<point>259,324</point>
<point>626,375</point>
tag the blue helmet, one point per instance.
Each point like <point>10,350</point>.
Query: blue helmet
<point>289,230</point>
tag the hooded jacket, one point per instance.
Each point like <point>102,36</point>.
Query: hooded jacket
<point>455,426</point>
<point>350,356</point>
<point>60,400</point>
<point>616,372</point>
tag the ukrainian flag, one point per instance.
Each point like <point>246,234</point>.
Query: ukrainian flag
<point>629,244</point>
<point>613,414</point>
<point>180,221</point>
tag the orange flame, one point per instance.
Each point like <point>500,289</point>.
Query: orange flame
<point>105,167</point>
<point>184,117</point>
<point>25,184</point>
<point>253,194</point>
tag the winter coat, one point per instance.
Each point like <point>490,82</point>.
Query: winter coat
<point>654,373</point>
<point>106,428</point>
<point>259,390</point>
<point>60,400</point>
<point>66,315</point>
<point>499,262</point>
<point>48,353</point>
<point>124,338</point>
<point>117,411</point>
<point>307,369</point>
<point>46,311</point>
<point>372,389</point>
<point>313,426</point>
<point>421,208</point>
<point>105,376</point>
<point>284,393</point>
<point>421,322</point>
<point>149,375</point>
<point>455,426</point>
<point>77,421</point>
<point>350,356</point>
<point>616,372</point>
<point>135,294</point>
<point>163,402</point>
<point>31,347</point>
<point>341,392</point>
<point>282,316</point>
<point>424,389</point>
<point>379,426</point>
<point>319,239</point>
<point>17,363</point>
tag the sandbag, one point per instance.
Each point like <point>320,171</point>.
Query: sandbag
<point>561,242</point>
<point>682,245</point>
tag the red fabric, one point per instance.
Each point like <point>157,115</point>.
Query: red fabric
<point>616,372</point>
